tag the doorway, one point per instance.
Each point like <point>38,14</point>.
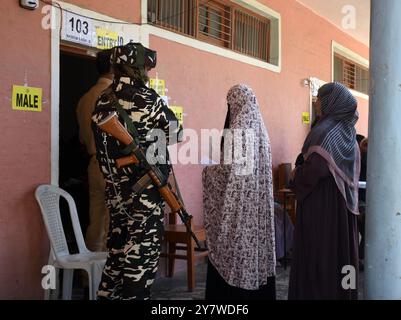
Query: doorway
<point>78,74</point>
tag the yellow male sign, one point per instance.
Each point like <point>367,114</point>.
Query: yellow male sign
<point>27,98</point>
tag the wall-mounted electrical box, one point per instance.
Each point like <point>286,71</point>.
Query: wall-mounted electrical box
<point>29,4</point>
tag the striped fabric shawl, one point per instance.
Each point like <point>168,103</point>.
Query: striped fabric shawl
<point>334,138</point>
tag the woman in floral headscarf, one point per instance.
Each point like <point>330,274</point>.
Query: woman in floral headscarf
<point>239,207</point>
<point>326,186</point>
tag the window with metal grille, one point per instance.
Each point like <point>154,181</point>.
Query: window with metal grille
<point>252,35</point>
<point>175,15</point>
<point>351,74</point>
<point>214,23</point>
<point>218,22</point>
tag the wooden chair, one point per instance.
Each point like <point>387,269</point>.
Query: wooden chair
<point>287,199</point>
<point>283,195</point>
<point>284,173</point>
<point>176,238</point>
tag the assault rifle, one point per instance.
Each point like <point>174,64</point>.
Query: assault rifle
<point>113,126</point>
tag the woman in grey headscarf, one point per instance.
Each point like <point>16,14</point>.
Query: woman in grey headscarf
<point>326,186</point>
<point>239,207</point>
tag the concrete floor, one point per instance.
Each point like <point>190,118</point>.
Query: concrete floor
<point>176,288</point>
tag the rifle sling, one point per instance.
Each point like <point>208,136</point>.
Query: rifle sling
<point>130,126</point>
<point>127,120</point>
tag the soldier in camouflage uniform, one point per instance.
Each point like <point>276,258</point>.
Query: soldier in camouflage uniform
<point>136,220</point>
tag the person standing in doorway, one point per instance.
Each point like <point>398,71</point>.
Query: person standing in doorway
<point>326,187</point>
<point>96,233</point>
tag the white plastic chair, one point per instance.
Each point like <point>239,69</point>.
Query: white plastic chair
<point>48,197</point>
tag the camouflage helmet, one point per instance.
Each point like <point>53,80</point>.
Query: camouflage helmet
<point>131,58</point>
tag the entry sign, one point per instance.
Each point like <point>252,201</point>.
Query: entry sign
<point>179,113</point>
<point>27,98</point>
<point>106,39</point>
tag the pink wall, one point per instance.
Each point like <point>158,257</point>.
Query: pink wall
<point>199,82</point>
<point>25,144</point>
<point>24,153</point>
<point>196,80</point>
<point>127,10</point>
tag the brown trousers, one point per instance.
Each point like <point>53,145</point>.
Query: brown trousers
<point>96,234</point>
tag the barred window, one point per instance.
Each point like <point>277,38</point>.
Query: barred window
<point>252,35</point>
<point>214,23</point>
<point>175,15</point>
<point>351,74</point>
<point>218,22</point>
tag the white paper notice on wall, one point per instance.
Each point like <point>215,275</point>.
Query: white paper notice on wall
<point>78,29</point>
